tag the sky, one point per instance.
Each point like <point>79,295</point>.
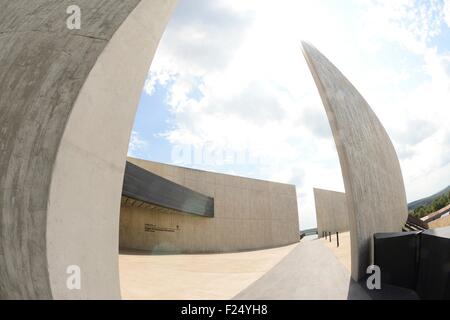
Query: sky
<point>229,90</point>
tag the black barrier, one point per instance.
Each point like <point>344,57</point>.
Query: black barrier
<point>434,265</point>
<point>397,256</point>
<point>418,260</point>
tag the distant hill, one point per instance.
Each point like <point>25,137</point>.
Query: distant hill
<point>428,200</point>
<point>308,232</point>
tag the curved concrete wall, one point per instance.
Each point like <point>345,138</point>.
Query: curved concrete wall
<point>248,214</point>
<point>67,105</point>
<point>331,211</point>
<point>373,179</point>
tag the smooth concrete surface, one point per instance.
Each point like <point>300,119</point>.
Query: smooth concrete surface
<point>373,181</point>
<point>309,272</point>
<point>194,277</point>
<point>67,105</point>
<point>331,211</point>
<point>249,214</point>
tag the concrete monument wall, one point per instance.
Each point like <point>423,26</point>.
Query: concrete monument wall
<point>67,105</point>
<point>373,181</point>
<point>331,211</point>
<point>248,214</point>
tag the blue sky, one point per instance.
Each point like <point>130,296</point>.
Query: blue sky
<point>229,90</point>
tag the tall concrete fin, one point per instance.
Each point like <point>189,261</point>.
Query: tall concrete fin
<point>68,98</point>
<point>373,179</point>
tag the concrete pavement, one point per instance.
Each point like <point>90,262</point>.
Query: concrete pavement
<point>310,272</point>
<point>194,276</point>
<point>313,269</point>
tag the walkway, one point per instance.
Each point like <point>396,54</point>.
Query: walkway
<point>311,271</point>
<point>199,276</point>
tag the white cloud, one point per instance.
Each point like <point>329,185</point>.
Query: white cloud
<point>413,112</point>
<point>236,78</point>
<point>149,86</point>
<point>136,144</point>
<point>447,12</point>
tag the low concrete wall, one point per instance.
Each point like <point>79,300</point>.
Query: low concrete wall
<point>439,223</point>
<point>331,211</point>
<point>248,214</point>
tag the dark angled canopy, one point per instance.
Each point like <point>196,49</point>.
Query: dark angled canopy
<point>143,185</point>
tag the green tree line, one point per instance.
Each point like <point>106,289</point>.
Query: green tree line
<point>437,204</point>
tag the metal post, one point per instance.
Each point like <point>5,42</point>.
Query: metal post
<point>337,238</point>
<point>330,236</point>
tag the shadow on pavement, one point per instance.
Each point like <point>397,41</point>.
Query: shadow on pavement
<point>387,292</point>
